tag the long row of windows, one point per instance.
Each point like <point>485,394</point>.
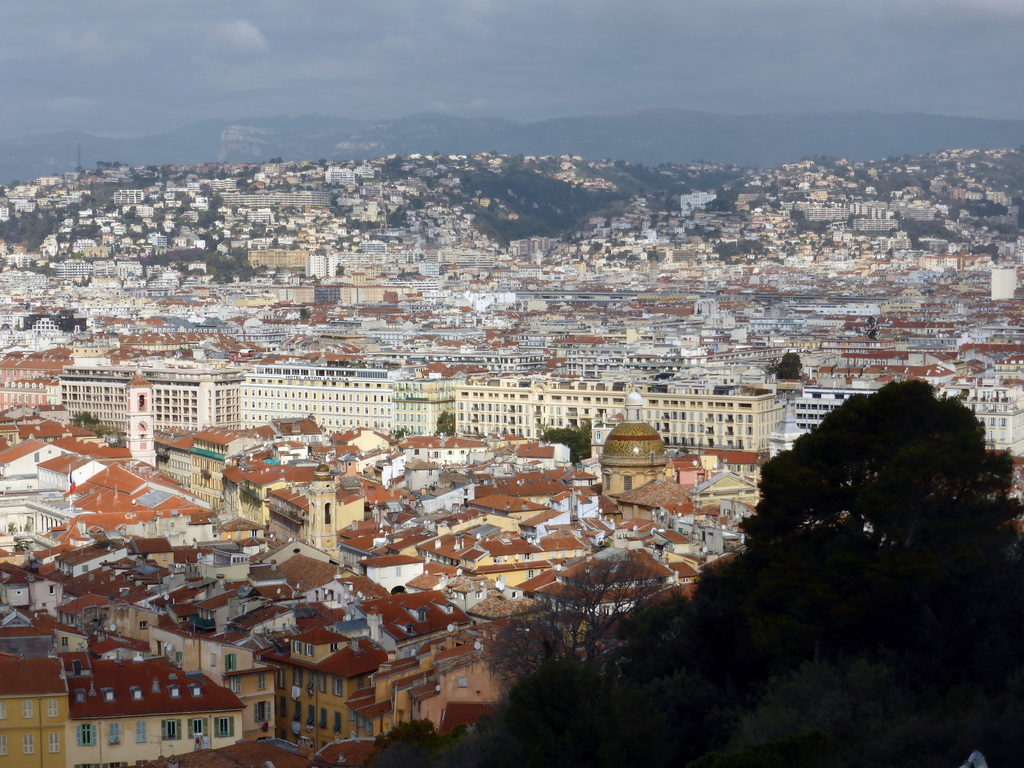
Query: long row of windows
<point>28,706</point>
<point>87,734</point>
<point>28,743</point>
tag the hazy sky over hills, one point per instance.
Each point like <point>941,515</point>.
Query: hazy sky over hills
<point>123,67</point>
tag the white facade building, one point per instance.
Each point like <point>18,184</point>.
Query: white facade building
<point>337,397</point>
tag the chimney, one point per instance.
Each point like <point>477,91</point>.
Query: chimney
<point>373,621</point>
<point>156,685</point>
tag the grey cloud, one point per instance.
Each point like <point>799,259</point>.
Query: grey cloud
<point>241,36</point>
<point>107,67</point>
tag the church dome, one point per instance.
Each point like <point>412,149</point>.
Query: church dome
<point>633,440</point>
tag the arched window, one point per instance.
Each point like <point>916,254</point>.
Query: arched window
<point>327,513</point>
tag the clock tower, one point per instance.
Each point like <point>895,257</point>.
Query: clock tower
<point>140,420</point>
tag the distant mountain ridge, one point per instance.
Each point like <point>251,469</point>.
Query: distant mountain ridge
<point>650,137</point>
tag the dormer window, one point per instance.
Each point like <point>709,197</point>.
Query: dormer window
<point>108,694</point>
<point>175,691</point>
<point>80,695</point>
<point>195,690</point>
<point>136,693</point>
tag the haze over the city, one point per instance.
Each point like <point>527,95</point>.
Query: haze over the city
<point>115,68</point>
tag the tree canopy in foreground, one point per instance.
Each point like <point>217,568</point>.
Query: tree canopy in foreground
<point>875,618</point>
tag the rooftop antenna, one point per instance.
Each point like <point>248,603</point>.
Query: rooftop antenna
<point>79,166</point>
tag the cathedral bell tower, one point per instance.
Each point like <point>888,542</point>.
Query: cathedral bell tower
<point>321,528</point>
<point>140,420</point>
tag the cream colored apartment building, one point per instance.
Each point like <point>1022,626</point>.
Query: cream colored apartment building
<point>336,397</point>
<point>184,397</point>
<point>419,403</point>
<point>685,415</point>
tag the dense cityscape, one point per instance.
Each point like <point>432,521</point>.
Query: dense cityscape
<point>295,455</point>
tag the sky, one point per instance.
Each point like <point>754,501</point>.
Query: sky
<point>130,68</point>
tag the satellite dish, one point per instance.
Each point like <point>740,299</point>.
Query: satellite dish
<point>113,627</point>
<point>451,627</point>
<point>437,687</point>
<point>478,645</point>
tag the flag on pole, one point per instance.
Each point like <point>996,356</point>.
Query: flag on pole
<point>71,481</point>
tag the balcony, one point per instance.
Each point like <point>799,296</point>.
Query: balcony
<point>203,624</point>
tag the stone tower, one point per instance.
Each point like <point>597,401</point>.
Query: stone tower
<point>322,526</point>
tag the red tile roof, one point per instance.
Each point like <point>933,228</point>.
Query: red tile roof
<point>109,691</point>
<point>20,677</point>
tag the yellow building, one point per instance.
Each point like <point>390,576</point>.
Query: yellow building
<point>128,712</point>
<point>278,259</point>
<point>209,452</point>
<point>684,415</point>
<point>234,667</point>
<point>33,713</point>
<point>316,677</point>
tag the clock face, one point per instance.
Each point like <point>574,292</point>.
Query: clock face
<point>143,426</point>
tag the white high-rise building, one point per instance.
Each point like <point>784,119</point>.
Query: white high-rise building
<point>322,265</point>
<point>336,175</point>
<point>1004,283</point>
